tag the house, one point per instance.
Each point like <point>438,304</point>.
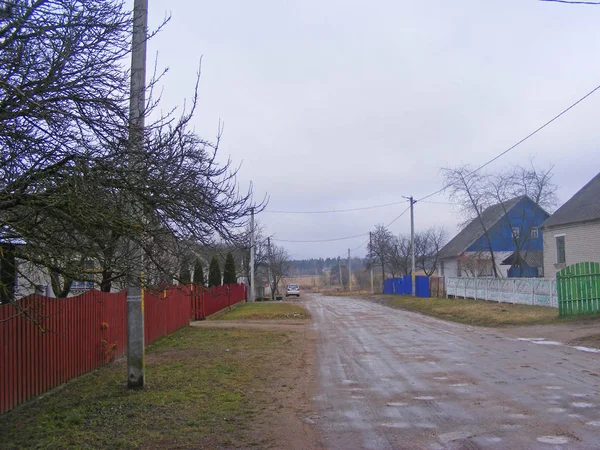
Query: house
<point>515,237</point>
<point>572,233</point>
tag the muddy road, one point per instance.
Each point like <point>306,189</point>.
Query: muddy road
<point>394,379</point>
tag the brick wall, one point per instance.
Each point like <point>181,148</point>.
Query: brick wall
<point>582,243</point>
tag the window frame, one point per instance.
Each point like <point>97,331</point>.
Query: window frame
<point>516,232</point>
<point>535,233</point>
<point>564,248</point>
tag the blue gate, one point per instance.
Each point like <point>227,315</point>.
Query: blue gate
<point>403,286</point>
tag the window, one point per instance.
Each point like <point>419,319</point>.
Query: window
<point>515,232</point>
<point>441,268</point>
<point>534,233</point>
<point>560,249</point>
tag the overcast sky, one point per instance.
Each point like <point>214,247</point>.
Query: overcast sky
<point>332,104</point>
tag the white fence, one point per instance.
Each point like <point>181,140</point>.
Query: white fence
<point>526,291</point>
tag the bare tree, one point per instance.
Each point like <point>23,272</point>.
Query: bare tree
<point>474,192</point>
<point>427,247</point>
<point>380,246</point>
<point>68,181</point>
<point>279,264</point>
<point>398,260</point>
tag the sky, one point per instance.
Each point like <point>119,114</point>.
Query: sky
<point>331,105</point>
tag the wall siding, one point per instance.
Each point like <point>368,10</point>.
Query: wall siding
<point>582,243</point>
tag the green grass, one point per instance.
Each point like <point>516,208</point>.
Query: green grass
<point>204,389</point>
<point>476,312</point>
<point>264,311</point>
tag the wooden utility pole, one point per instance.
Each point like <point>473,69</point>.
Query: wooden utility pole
<point>349,273</point>
<point>412,247</point>
<point>137,106</point>
<point>252,286</point>
<point>270,270</point>
<point>340,268</point>
<point>371,262</point>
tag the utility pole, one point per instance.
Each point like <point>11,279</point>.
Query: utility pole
<point>412,246</point>
<point>371,262</point>
<point>137,106</point>
<point>340,267</point>
<point>349,273</point>
<point>270,262</point>
<point>252,288</point>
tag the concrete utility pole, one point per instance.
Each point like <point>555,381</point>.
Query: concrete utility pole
<point>412,246</point>
<point>137,106</point>
<point>349,273</point>
<point>252,288</point>
<point>340,267</point>
<point>371,263</point>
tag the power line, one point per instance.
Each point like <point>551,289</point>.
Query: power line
<point>323,240</point>
<point>401,214</point>
<point>572,2</point>
<point>519,142</point>
<point>334,210</point>
<point>341,238</point>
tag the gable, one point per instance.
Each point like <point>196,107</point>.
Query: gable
<point>584,206</point>
<point>469,238</point>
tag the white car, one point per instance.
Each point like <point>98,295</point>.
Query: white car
<point>292,289</point>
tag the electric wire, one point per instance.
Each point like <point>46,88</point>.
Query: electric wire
<point>334,210</point>
<point>537,130</point>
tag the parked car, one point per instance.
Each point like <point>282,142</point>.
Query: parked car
<point>292,289</point>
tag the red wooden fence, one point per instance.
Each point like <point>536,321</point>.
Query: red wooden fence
<point>166,311</point>
<point>207,301</point>
<point>54,340</point>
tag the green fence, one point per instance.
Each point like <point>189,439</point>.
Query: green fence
<point>578,288</point>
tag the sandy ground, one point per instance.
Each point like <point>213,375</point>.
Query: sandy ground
<point>291,420</point>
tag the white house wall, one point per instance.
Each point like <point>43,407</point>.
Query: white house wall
<point>582,243</point>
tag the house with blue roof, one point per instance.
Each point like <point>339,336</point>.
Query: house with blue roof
<point>505,240</point>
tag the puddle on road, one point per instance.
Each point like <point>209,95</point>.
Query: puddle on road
<point>582,405</point>
<point>553,439</point>
<point>556,410</point>
<point>396,425</point>
<point>594,423</point>
<point>424,397</point>
<point>588,349</point>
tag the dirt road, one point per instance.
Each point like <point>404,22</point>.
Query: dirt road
<point>395,379</point>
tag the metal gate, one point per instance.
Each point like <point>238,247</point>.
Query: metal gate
<point>578,288</point>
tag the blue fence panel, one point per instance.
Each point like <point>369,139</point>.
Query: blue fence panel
<point>403,286</point>
<point>422,286</point>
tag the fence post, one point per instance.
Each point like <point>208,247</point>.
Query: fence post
<point>532,291</point>
<point>514,289</point>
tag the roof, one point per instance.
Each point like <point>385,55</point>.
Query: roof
<point>474,230</point>
<point>582,207</point>
<point>533,258</point>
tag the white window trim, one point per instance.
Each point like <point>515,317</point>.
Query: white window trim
<point>556,248</point>
<point>516,231</point>
<point>537,233</point>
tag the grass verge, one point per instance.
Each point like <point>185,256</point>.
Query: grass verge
<point>205,388</point>
<point>264,311</point>
<point>476,312</point>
